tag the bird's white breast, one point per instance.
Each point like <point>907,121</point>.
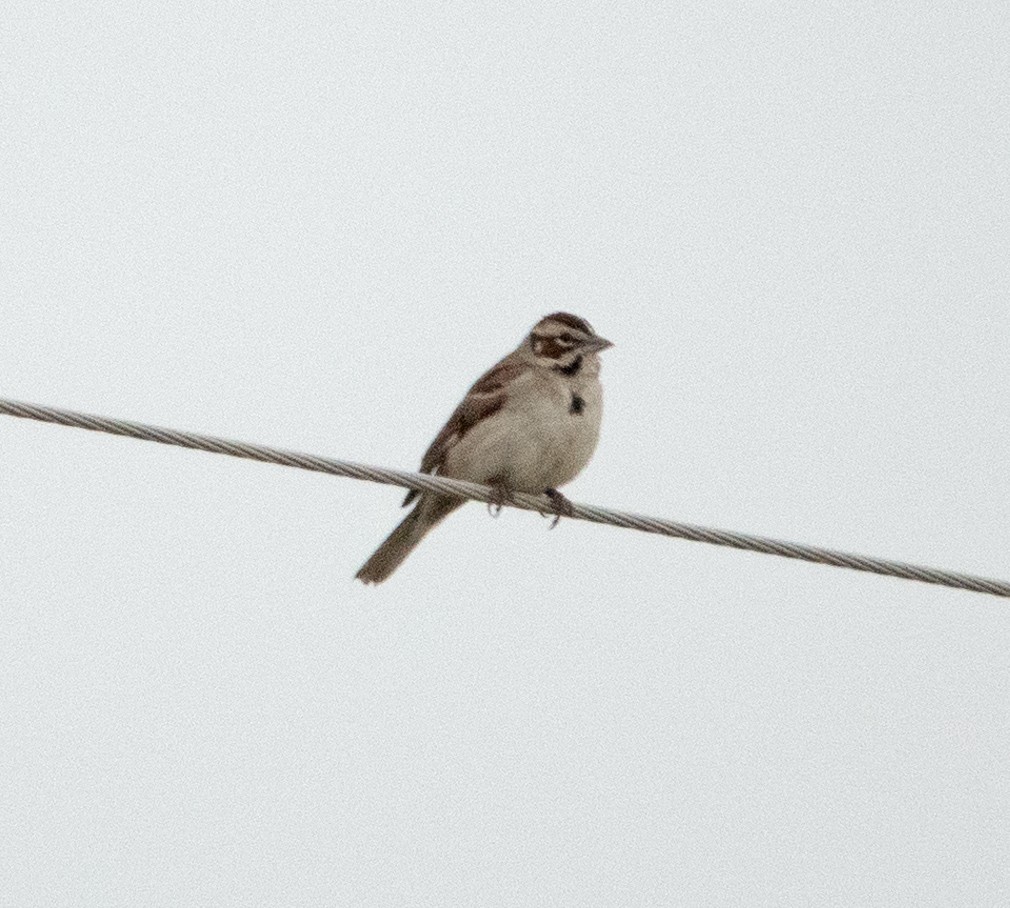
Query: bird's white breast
<point>534,441</point>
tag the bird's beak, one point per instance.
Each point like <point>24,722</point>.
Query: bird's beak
<point>596,344</point>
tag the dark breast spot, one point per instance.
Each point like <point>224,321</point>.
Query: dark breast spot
<point>577,405</point>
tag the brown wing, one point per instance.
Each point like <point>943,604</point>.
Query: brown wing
<point>486,396</point>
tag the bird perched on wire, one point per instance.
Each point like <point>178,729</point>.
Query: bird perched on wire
<point>528,424</point>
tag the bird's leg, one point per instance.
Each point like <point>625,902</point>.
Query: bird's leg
<point>562,506</point>
<point>501,494</point>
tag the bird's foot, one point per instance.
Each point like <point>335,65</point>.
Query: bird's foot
<point>501,495</point>
<point>562,506</point>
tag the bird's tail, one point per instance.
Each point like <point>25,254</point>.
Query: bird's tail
<point>400,543</point>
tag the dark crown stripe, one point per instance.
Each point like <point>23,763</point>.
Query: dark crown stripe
<point>569,320</point>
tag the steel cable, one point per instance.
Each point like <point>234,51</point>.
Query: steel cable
<point>425,483</point>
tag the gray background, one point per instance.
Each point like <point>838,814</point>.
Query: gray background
<point>313,227</point>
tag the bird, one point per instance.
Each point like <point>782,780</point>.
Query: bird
<point>528,424</point>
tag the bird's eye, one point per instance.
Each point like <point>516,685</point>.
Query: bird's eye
<point>567,338</point>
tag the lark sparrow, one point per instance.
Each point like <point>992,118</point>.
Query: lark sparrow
<point>529,424</point>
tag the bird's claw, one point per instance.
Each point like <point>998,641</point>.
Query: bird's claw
<point>562,506</point>
<point>500,496</point>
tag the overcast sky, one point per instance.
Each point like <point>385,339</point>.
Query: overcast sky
<point>313,226</point>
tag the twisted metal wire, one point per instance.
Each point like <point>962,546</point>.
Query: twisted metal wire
<point>424,483</point>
